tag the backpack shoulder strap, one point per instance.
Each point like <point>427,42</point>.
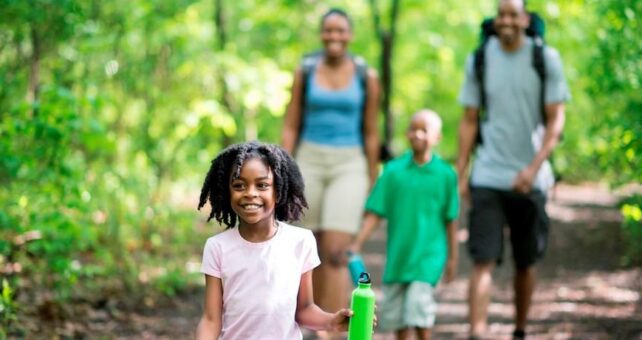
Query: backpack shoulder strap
<point>539,64</point>
<point>308,63</point>
<point>479,61</point>
<point>536,28</point>
<point>479,69</point>
<point>361,69</point>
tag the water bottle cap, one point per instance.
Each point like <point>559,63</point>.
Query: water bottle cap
<point>364,278</point>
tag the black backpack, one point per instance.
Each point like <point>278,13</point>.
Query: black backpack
<point>536,30</point>
<point>309,62</point>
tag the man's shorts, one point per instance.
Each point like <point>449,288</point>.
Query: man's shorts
<point>407,305</point>
<point>336,185</point>
<point>525,216</point>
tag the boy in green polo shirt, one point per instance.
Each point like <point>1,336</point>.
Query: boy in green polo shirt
<point>417,194</point>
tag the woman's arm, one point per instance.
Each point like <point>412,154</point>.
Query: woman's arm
<point>292,121</point>
<point>211,322</point>
<point>371,125</point>
<point>309,315</point>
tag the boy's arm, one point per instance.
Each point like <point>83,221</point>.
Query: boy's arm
<point>309,315</point>
<point>211,322</point>
<point>369,224</point>
<point>453,255</point>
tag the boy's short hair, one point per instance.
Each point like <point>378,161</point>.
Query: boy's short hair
<point>432,117</point>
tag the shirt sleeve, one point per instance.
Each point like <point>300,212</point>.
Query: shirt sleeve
<point>310,255</point>
<point>469,93</point>
<point>556,87</point>
<point>211,264</point>
<point>376,202</point>
<point>451,211</point>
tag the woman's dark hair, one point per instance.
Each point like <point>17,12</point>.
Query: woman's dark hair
<point>288,182</point>
<point>336,11</point>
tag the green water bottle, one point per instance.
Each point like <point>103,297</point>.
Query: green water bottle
<point>363,306</point>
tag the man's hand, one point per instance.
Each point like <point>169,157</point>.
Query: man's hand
<point>523,183</point>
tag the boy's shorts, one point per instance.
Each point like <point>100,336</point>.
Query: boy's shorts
<point>526,217</point>
<point>336,186</point>
<point>407,305</point>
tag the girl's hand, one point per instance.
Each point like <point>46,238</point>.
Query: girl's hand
<point>339,321</point>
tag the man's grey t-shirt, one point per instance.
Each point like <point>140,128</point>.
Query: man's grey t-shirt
<point>513,131</point>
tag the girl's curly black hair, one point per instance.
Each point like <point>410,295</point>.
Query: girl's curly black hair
<point>288,182</point>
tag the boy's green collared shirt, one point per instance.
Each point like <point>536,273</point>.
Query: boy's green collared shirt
<point>417,201</point>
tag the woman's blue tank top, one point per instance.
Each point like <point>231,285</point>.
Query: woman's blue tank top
<point>333,117</point>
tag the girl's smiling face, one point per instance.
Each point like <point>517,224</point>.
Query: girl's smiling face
<point>252,194</point>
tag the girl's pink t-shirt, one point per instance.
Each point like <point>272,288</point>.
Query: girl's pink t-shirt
<point>260,280</point>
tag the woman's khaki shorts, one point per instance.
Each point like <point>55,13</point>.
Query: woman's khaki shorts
<point>336,185</point>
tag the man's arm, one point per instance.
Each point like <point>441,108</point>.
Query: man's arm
<point>555,118</point>
<point>467,138</point>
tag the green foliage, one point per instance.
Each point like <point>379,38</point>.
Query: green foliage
<point>632,226</point>
<point>617,139</point>
<point>40,168</point>
<point>7,308</point>
<point>617,65</point>
<point>172,282</point>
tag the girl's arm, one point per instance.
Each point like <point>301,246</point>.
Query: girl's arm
<point>210,325</point>
<point>309,315</point>
<point>371,125</point>
<point>292,121</point>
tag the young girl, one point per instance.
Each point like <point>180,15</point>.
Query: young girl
<point>259,276</point>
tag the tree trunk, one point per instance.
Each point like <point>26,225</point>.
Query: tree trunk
<point>33,89</point>
<point>221,42</point>
<point>386,39</point>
